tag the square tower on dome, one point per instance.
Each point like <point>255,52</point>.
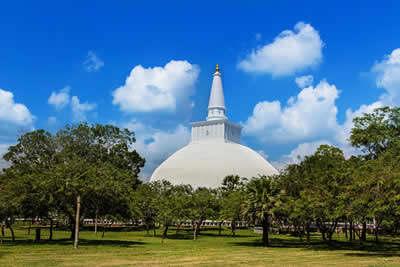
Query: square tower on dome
<point>216,130</point>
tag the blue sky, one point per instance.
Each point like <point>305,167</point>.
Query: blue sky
<point>64,62</point>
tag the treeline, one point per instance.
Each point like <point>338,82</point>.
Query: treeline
<point>91,171</point>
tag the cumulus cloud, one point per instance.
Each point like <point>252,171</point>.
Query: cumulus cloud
<point>298,154</point>
<point>290,52</point>
<point>79,109</point>
<point>311,114</point>
<point>388,77</point>
<point>304,81</point>
<point>12,112</point>
<point>158,89</point>
<point>93,62</point>
<point>61,99</point>
<point>156,145</point>
<point>313,118</point>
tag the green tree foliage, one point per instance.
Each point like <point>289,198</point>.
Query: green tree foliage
<point>203,206</point>
<point>375,132</point>
<point>232,192</point>
<point>90,164</point>
<point>144,205</point>
<point>262,199</point>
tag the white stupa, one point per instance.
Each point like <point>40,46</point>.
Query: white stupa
<point>214,151</point>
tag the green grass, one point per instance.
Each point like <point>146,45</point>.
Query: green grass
<point>131,248</point>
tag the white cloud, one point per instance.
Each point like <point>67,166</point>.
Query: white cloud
<point>156,145</point>
<point>304,81</point>
<point>268,118</point>
<point>388,77</point>
<point>298,154</point>
<point>291,51</point>
<point>61,99</point>
<point>158,89</point>
<point>11,112</point>
<point>93,62</point>
<point>79,110</point>
<point>312,114</point>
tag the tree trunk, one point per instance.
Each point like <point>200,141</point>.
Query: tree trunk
<point>154,230</point>
<point>12,233</point>
<point>220,228</point>
<point>323,235</point>
<point>178,227</point>
<point>364,232</point>
<point>78,209</point>
<point>331,230</point>
<point>265,226</point>
<point>104,229</point>
<point>330,236</point>
<point>351,231</point>
<point>165,232</point>
<point>95,222</point>
<point>37,234</point>
<point>2,234</point>
<point>30,226</point>
<point>196,227</point>
<point>148,229</point>
<point>8,225</point>
<point>345,230</point>
<point>51,230</point>
<point>233,226</point>
<point>376,230</point>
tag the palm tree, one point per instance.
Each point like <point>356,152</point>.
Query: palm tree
<point>261,200</point>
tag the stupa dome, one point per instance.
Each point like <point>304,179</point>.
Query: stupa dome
<point>205,164</point>
<point>214,151</point>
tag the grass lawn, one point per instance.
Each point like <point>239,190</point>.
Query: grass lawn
<point>128,248</point>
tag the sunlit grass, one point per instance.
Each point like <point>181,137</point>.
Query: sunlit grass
<point>125,248</point>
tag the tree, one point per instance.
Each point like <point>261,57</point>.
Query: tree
<point>34,155</point>
<point>380,188</point>
<point>232,200</point>
<point>296,207</point>
<point>83,168</point>
<point>203,206</point>
<point>144,205</point>
<point>378,136</point>
<point>262,197</point>
<point>325,183</point>
<point>375,132</point>
<point>84,149</point>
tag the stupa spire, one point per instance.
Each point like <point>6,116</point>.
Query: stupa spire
<point>216,105</point>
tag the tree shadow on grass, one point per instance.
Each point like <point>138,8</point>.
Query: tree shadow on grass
<point>187,234</point>
<point>82,242</point>
<point>2,253</point>
<point>368,248</point>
